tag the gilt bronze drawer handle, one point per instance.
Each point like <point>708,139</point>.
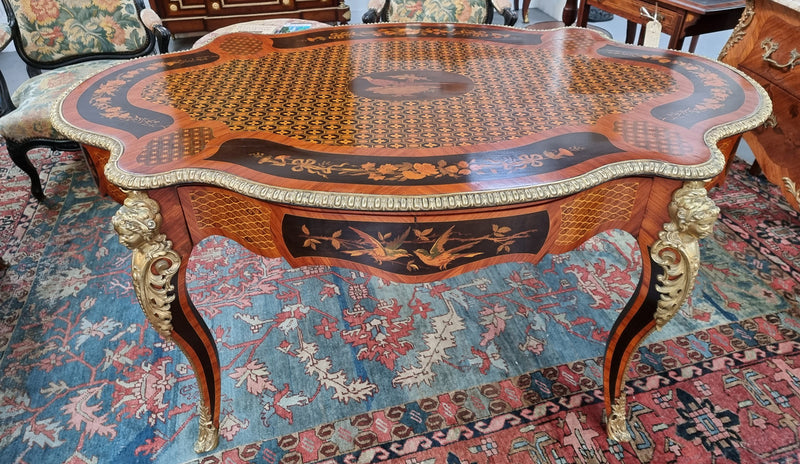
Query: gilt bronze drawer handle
<point>770,47</point>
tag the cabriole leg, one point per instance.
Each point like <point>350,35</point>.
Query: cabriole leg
<point>656,300</point>
<point>158,274</point>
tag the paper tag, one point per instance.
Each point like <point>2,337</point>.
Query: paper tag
<point>652,30</point>
<point>652,34</point>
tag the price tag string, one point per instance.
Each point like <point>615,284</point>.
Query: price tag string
<point>652,30</point>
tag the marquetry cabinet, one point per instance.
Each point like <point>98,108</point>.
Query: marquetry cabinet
<point>766,46</point>
<point>187,16</point>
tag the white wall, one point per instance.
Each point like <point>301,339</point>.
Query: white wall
<point>550,7</point>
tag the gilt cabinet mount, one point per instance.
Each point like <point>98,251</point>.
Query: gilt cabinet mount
<point>188,16</point>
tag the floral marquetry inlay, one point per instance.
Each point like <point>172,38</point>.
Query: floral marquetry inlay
<point>415,249</point>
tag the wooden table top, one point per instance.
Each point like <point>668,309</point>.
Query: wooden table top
<point>411,116</point>
<point>704,6</point>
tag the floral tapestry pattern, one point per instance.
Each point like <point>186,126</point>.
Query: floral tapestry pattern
<point>52,30</point>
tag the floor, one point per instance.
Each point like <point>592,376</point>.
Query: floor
<point>709,45</point>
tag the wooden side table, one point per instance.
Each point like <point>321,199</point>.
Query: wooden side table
<point>679,18</point>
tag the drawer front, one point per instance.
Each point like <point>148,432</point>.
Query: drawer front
<point>630,9</point>
<point>179,8</point>
<point>245,7</point>
<point>775,64</point>
<point>778,145</point>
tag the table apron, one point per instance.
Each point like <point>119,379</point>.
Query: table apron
<point>422,246</point>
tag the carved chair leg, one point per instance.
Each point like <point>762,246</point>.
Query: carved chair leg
<point>19,155</point>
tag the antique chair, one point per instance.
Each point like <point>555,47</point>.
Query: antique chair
<point>441,11</point>
<point>62,42</point>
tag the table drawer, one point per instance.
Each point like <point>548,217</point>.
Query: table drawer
<point>781,142</point>
<point>630,9</point>
<point>780,65</point>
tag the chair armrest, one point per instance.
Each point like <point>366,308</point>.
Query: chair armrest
<point>509,16</point>
<point>5,97</point>
<point>377,11</point>
<point>5,36</point>
<point>505,9</point>
<point>370,16</point>
<point>6,105</point>
<point>152,21</point>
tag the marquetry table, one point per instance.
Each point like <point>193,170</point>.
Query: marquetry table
<point>414,152</point>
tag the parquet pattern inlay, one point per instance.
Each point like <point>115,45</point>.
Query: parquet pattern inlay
<point>308,94</point>
<point>586,212</point>
<point>236,216</point>
<point>174,146</point>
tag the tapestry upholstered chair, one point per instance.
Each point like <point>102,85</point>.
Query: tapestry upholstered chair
<point>63,42</point>
<point>440,11</point>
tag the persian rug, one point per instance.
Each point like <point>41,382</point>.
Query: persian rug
<point>324,364</point>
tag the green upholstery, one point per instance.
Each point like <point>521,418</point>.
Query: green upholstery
<point>51,31</point>
<point>63,42</point>
<point>438,11</point>
<point>34,100</point>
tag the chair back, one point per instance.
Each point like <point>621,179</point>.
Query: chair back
<point>51,33</point>
<point>437,11</point>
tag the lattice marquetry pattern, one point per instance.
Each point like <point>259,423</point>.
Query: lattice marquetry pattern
<point>175,146</point>
<point>648,136</point>
<point>236,44</point>
<point>601,205</point>
<point>307,95</point>
<point>238,217</point>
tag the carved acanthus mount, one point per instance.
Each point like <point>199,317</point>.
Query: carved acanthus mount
<point>208,435</point>
<point>677,249</point>
<point>138,223</point>
<point>791,189</point>
<point>739,31</point>
<point>617,425</point>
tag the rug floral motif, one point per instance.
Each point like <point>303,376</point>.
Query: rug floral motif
<point>327,363</point>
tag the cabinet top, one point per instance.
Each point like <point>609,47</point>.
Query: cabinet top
<point>373,116</point>
<point>791,4</point>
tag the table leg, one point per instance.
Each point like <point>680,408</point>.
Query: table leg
<point>630,32</point>
<point>660,295</point>
<point>570,12</point>
<point>159,279</point>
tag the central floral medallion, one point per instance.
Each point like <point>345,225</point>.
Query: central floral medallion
<point>411,85</point>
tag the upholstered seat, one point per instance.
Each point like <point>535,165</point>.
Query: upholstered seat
<point>61,46</point>
<point>440,11</point>
<point>34,99</point>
